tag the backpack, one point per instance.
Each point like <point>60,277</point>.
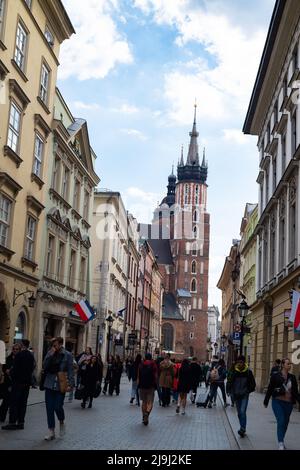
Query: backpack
<point>214,375</point>
<point>146,376</point>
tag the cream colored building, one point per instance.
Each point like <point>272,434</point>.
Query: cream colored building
<point>248,271</point>
<point>66,261</point>
<point>115,270</point>
<point>31,33</point>
<point>274,117</point>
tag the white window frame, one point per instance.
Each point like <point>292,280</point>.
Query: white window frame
<point>5,216</point>
<point>14,127</point>
<point>65,183</point>
<point>50,255</point>
<point>60,261</point>
<point>44,83</point>
<point>194,281</point>
<point>38,155</point>
<point>194,263</point>
<point>192,335</point>
<point>20,47</point>
<point>30,237</point>
<point>197,194</point>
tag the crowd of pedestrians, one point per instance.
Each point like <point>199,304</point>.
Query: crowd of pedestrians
<point>172,379</point>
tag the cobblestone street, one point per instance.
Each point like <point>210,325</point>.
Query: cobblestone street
<point>113,423</point>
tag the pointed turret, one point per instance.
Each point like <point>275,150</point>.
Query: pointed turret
<point>193,155</point>
<point>181,159</point>
<point>192,170</point>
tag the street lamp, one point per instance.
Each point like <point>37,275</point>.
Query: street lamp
<point>243,309</point>
<point>110,321</point>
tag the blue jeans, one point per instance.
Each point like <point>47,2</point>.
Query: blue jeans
<point>54,404</point>
<point>241,406</point>
<point>282,411</point>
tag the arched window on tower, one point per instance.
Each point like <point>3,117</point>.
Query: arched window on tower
<point>186,194</point>
<point>168,336</point>
<point>194,285</point>
<point>197,195</point>
<point>194,267</point>
<point>194,249</point>
<point>195,232</point>
<point>195,218</point>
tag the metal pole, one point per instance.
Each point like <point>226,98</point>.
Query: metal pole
<point>108,342</point>
<point>242,336</point>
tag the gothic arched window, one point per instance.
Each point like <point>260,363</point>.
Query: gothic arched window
<point>186,194</point>
<point>193,285</point>
<point>195,218</point>
<point>195,232</point>
<point>168,336</point>
<point>194,267</point>
<point>194,249</point>
<point>197,195</point>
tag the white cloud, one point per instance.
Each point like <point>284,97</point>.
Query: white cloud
<point>134,133</point>
<point>236,136</point>
<point>86,106</point>
<point>126,109</point>
<point>98,46</point>
<point>223,83</point>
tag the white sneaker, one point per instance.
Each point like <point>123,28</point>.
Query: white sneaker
<point>281,446</point>
<point>183,412</point>
<point>50,436</point>
<point>62,429</point>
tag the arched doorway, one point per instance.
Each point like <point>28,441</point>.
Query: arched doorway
<point>168,336</point>
<point>4,318</point>
<point>20,328</point>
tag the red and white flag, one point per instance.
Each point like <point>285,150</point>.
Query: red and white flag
<point>85,311</point>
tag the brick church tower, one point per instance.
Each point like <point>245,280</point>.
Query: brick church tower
<point>190,245</point>
<point>179,237</point>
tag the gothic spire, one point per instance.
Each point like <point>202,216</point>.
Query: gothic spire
<point>204,163</point>
<point>193,155</point>
<point>181,159</point>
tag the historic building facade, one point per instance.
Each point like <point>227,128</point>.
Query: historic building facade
<point>115,261</point>
<point>66,261</point>
<point>30,37</point>
<point>274,117</point>
<point>179,237</point>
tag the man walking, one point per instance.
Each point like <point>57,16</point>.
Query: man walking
<point>147,383</point>
<point>241,384</point>
<point>21,377</point>
<point>166,380</point>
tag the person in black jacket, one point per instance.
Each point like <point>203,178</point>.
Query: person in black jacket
<point>184,385</point>
<point>89,378</point>
<point>240,384</point>
<point>283,388</point>
<point>196,373</point>
<point>21,377</point>
<point>6,386</point>
<point>116,374</point>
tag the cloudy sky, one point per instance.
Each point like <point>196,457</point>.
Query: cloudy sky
<point>134,69</point>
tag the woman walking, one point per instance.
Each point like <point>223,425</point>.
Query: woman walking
<point>283,388</point>
<point>89,379</point>
<point>108,376</point>
<point>133,375</point>
<point>166,380</point>
<point>184,385</point>
<point>6,385</point>
<point>58,360</point>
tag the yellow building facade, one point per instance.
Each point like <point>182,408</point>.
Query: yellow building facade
<point>31,33</point>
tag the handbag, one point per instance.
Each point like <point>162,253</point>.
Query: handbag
<point>97,390</point>
<point>63,382</point>
<point>79,392</point>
